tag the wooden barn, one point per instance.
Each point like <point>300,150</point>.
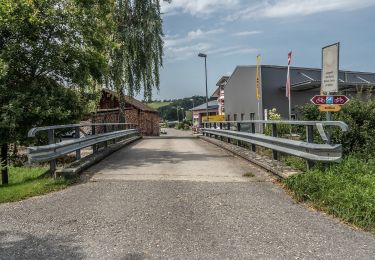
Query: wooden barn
<point>136,112</point>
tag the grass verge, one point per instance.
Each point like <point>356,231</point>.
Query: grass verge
<point>345,190</point>
<point>25,182</point>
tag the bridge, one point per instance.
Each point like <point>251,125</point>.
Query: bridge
<point>173,197</point>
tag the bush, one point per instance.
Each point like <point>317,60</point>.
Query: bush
<point>282,130</point>
<point>359,114</point>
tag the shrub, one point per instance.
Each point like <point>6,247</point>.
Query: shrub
<point>282,130</point>
<point>359,114</point>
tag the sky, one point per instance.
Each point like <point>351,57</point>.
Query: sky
<point>233,32</point>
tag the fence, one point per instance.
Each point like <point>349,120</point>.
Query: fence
<point>245,131</point>
<point>81,136</point>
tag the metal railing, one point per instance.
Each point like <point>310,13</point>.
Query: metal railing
<point>82,136</point>
<point>247,132</point>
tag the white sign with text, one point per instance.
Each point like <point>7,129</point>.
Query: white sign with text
<point>330,70</point>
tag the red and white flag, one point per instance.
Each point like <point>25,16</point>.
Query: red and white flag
<point>288,76</point>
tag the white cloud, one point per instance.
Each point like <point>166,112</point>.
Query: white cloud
<point>290,8</point>
<point>240,51</point>
<point>180,48</point>
<point>197,7</point>
<point>246,33</point>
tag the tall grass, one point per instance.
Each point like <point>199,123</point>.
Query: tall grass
<point>345,190</point>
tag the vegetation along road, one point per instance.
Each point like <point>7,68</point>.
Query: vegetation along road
<point>188,200</point>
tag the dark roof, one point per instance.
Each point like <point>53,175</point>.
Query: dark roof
<point>222,80</point>
<point>310,78</point>
<point>133,102</point>
<point>211,105</point>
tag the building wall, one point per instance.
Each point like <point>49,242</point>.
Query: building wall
<point>273,81</point>
<point>240,96</point>
<point>147,122</point>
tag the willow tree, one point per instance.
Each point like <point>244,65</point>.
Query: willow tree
<point>137,52</point>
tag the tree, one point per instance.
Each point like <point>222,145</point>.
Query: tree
<point>137,49</point>
<point>52,53</point>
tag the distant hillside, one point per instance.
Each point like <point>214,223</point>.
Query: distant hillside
<point>158,104</point>
<point>168,108</point>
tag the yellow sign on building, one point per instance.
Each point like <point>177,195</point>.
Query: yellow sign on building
<point>216,118</point>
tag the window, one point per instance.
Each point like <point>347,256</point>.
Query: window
<point>235,117</point>
<point>252,116</point>
<point>293,117</point>
<point>242,116</point>
<point>228,118</point>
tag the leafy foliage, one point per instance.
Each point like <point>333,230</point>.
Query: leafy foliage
<point>137,50</point>
<point>359,114</point>
<point>52,56</point>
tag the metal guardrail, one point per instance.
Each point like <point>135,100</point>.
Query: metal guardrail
<point>235,130</point>
<point>99,133</point>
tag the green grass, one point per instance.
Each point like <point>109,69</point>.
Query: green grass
<point>25,182</point>
<point>345,190</point>
<point>157,105</point>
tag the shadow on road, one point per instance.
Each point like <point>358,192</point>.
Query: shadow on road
<point>19,245</point>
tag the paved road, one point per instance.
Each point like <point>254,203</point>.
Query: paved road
<point>174,198</point>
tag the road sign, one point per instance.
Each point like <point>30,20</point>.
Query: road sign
<point>330,100</point>
<point>329,108</point>
<point>330,68</point>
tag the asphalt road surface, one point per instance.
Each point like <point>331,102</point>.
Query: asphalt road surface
<point>174,197</point>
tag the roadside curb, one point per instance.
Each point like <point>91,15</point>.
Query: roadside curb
<point>77,167</point>
<point>276,167</point>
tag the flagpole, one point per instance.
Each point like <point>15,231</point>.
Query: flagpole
<point>257,87</point>
<point>288,90</point>
<point>290,97</point>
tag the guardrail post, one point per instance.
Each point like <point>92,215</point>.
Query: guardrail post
<point>309,139</point>
<point>221,128</point>
<point>93,132</point>
<point>52,164</point>
<point>113,129</point>
<point>253,147</point>
<point>228,128</point>
<point>238,130</point>
<point>105,131</point>
<point>274,134</point>
<point>215,136</point>
<point>77,136</point>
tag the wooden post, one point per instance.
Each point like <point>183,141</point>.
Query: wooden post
<point>309,139</point>
<point>274,134</point>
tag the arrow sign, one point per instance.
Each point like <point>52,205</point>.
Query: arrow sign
<point>330,100</point>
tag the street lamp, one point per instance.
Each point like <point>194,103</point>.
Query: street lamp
<point>202,55</point>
